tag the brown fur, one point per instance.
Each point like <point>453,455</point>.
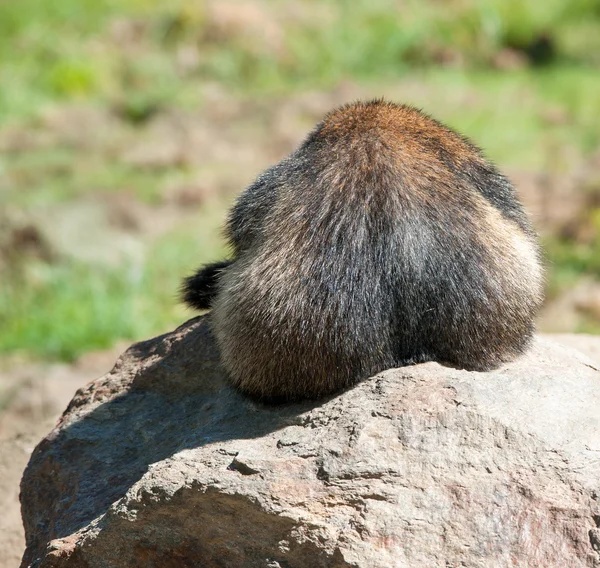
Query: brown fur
<point>385,239</point>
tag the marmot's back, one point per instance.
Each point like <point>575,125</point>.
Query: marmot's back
<point>385,239</point>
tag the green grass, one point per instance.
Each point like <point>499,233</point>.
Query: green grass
<point>504,113</point>
<point>58,175</point>
<point>62,310</point>
<point>112,51</point>
<point>125,57</point>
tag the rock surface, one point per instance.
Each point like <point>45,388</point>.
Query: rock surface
<point>161,464</point>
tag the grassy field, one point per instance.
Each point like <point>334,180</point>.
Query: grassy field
<point>116,113</point>
<point>143,53</point>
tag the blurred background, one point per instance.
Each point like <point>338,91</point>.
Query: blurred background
<point>128,127</point>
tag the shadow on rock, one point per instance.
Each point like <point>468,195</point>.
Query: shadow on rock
<point>163,396</point>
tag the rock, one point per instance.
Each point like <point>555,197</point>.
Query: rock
<point>160,463</point>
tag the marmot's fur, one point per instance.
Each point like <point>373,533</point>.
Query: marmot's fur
<point>385,239</point>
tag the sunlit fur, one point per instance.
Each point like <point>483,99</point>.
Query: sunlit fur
<point>385,239</point>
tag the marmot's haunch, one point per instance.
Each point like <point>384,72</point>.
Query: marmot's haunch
<point>385,239</point>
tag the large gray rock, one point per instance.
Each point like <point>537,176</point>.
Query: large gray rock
<point>161,464</point>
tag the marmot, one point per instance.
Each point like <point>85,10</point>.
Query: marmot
<point>385,239</point>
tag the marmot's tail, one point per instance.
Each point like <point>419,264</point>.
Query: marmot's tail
<point>198,291</point>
